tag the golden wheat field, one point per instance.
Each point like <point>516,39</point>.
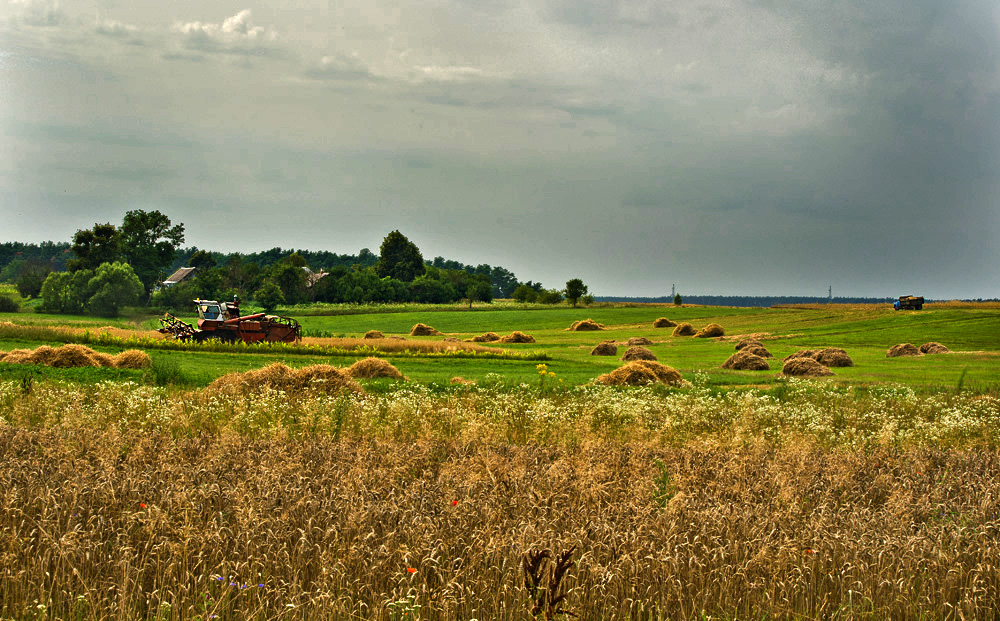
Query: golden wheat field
<point>125,501</point>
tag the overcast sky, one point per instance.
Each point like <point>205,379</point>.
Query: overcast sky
<point>767,147</point>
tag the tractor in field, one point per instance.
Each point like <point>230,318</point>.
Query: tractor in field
<point>908,302</point>
<point>223,322</point>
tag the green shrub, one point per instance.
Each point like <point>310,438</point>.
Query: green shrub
<point>8,304</point>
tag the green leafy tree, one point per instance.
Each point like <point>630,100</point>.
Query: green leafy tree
<point>399,258</point>
<point>269,296</point>
<point>202,259</point>
<point>149,244</point>
<point>479,290</point>
<point>291,279</point>
<point>66,292</point>
<point>29,283</point>
<point>92,247</point>
<point>549,296</point>
<point>115,286</point>
<point>525,294</point>
<point>575,289</point>
<point>677,300</point>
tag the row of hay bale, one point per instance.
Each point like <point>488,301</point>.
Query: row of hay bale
<point>908,349</point>
<point>712,330</point>
<point>751,355</point>
<point>322,377</point>
<point>493,337</point>
<point>73,355</point>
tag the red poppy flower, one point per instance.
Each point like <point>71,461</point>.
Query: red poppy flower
<point>411,570</point>
<point>454,502</point>
<point>142,504</point>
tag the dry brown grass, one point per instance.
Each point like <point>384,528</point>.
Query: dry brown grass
<point>641,373</point>
<point>804,367</point>
<point>712,330</point>
<point>683,329</point>
<point>638,353</point>
<point>903,349</point>
<point>277,376</point>
<point>371,368</point>
<point>585,326</point>
<point>295,529</point>
<point>604,349</point>
<point>663,322</point>
<point>517,337</point>
<point>394,344</point>
<point>422,329</point>
<point>746,360</point>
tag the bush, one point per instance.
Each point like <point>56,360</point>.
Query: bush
<point>549,296</point>
<point>115,286</point>
<point>8,304</point>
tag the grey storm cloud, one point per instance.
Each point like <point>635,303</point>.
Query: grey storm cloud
<point>755,147</point>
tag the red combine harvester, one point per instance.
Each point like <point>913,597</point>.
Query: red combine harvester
<point>222,321</point>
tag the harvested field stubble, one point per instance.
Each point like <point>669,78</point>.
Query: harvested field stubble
<point>216,525</point>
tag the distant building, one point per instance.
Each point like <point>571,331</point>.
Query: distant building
<point>180,275</point>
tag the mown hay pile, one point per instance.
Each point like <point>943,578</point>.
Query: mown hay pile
<point>638,353</point>
<point>903,349</point>
<point>748,342</point>
<point>370,368</point>
<point>834,357</point>
<point>638,340</point>
<point>803,353</point>
<point>641,373</point>
<point>663,322</point>
<point>517,337</point>
<point>605,349</point>
<point>374,334</point>
<point>805,367</point>
<point>586,325</point>
<point>458,379</point>
<point>744,360</point>
<point>683,329</point>
<point>934,348</point>
<point>712,330</point>
<point>321,377</point>
<point>422,329</point>
<point>758,350</point>
<point>72,355</point>
<point>487,337</point>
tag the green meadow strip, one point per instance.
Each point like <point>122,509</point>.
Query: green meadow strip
<point>41,333</point>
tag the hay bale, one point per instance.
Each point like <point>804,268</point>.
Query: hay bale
<point>934,348</point>
<point>323,377</point>
<point>834,357</point>
<point>748,343</point>
<point>604,349</point>
<point>132,359</point>
<point>72,355</point>
<point>43,355</point>
<point>683,329</point>
<point>638,353</point>
<point>803,353</point>
<point>422,329</point>
<point>805,367</point>
<point>104,360</point>
<point>712,330</point>
<point>641,373</point>
<point>374,334</point>
<point>19,356</point>
<point>370,368</point>
<point>744,360</point>
<point>757,350</point>
<point>458,379</point>
<point>663,322</point>
<point>903,349</point>
<point>517,337</point>
<point>487,337</point>
<point>587,325</point>
<point>452,339</point>
<point>638,340</point>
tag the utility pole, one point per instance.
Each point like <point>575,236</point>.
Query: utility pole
<point>831,293</point>
<point>673,292</point>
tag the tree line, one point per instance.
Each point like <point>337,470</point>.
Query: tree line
<point>108,267</point>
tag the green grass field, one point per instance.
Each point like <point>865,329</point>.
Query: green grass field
<point>972,332</point>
